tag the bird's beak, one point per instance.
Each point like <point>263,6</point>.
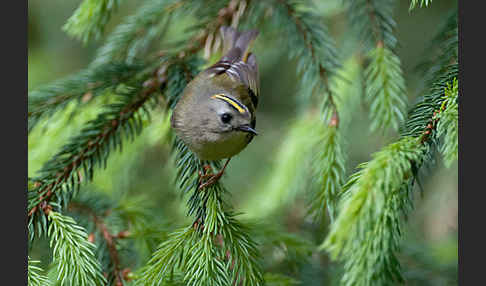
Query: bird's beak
<point>247,128</point>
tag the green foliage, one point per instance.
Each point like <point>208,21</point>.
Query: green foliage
<point>272,279</point>
<point>373,21</point>
<point>35,276</point>
<point>90,19</point>
<point>419,3</point>
<point>216,250</point>
<point>366,235</point>
<point>140,72</point>
<point>68,240</point>
<point>367,231</point>
<point>135,34</point>
<point>448,124</point>
<point>329,170</point>
<point>61,176</point>
<point>385,85</point>
<point>385,89</point>
<point>91,82</point>
<point>308,42</point>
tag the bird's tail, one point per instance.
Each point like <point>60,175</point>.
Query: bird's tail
<point>236,44</point>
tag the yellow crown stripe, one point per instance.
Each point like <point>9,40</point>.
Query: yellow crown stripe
<point>231,101</point>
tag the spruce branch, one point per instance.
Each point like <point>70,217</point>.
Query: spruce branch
<point>373,22</point>
<point>329,160</point>
<point>329,170</point>
<point>385,89</point>
<point>110,239</point>
<point>134,35</point>
<point>366,233</point>
<point>421,118</point>
<point>90,19</point>
<point>215,250</point>
<point>61,176</point>
<point>384,83</point>
<point>35,276</point>
<point>81,87</point>
<point>309,42</point>
<point>448,123</point>
<point>69,242</point>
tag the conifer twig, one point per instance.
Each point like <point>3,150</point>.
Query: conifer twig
<point>60,174</point>
<point>308,40</point>
<point>109,238</point>
<point>69,240</point>
<point>385,90</point>
<point>367,232</point>
<point>82,86</point>
<point>35,277</point>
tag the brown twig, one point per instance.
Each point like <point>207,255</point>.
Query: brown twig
<point>109,238</point>
<point>432,124</point>
<point>47,190</point>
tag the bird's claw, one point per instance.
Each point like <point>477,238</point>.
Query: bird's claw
<point>213,178</point>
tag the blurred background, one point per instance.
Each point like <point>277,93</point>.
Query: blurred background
<point>429,255</point>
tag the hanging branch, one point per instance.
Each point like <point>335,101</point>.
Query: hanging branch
<point>110,239</point>
<point>115,61</point>
<point>134,35</point>
<point>90,19</point>
<point>366,234</point>
<point>384,84</point>
<point>81,87</point>
<point>68,240</point>
<point>309,42</point>
<point>61,176</point>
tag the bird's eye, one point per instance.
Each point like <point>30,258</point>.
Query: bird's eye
<point>226,117</point>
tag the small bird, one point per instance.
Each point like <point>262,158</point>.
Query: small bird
<point>215,116</point>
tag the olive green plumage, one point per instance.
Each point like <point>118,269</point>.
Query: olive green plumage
<point>215,116</point>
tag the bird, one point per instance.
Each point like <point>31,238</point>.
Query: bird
<point>215,115</point>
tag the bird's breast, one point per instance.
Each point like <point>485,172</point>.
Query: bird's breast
<point>216,146</point>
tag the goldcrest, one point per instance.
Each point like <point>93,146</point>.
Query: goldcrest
<point>215,116</point>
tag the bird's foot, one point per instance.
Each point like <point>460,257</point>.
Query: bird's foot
<point>208,173</point>
<point>208,178</point>
<point>211,179</point>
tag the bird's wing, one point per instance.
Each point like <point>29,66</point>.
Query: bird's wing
<point>238,63</point>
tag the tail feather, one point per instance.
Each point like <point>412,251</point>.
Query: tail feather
<point>236,44</point>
